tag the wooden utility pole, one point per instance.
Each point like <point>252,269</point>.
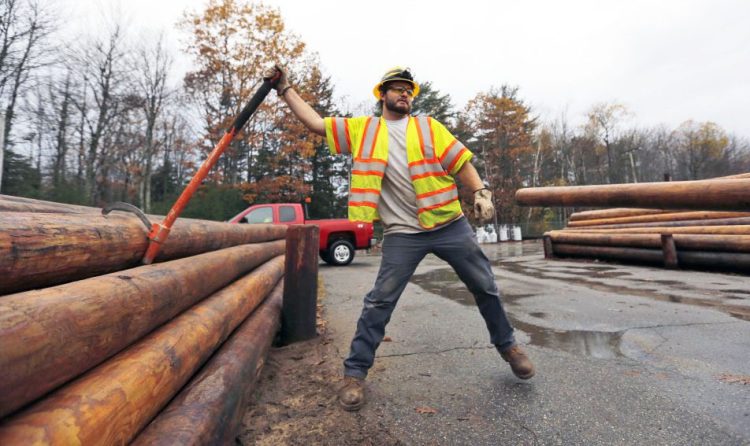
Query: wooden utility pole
<point>704,195</point>
<point>298,312</point>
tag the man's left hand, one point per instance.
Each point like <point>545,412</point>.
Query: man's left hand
<point>484,210</point>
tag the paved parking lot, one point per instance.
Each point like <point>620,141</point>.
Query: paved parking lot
<point>625,354</point>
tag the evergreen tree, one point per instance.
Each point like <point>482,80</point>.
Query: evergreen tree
<point>430,102</point>
<point>20,178</point>
<point>328,174</point>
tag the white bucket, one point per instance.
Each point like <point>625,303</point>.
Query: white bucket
<point>492,237</point>
<point>481,235</point>
<point>516,236</point>
<point>503,233</point>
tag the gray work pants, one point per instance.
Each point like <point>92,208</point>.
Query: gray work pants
<point>455,243</point>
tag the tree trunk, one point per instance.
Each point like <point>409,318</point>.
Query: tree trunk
<point>61,142</point>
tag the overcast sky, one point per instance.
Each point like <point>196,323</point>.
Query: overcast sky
<point>667,61</point>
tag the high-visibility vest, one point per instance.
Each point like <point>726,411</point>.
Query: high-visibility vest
<point>433,153</point>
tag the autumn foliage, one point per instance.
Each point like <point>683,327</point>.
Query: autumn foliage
<point>502,129</point>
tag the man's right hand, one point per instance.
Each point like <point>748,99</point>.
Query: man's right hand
<point>283,81</point>
<point>484,210</point>
<point>301,109</point>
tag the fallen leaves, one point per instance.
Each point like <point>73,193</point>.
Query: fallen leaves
<point>426,410</point>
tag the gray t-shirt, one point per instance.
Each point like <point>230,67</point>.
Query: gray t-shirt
<point>398,200</point>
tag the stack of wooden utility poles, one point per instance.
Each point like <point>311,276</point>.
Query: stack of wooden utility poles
<point>96,349</point>
<point>701,224</point>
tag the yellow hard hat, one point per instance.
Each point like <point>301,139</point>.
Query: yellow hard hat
<point>396,74</point>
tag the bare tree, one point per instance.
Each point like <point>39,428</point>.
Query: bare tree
<point>561,135</point>
<point>656,154</point>
<point>61,97</point>
<point>738,152</point>
<point>24,27</point>
<point>603,122</point>
<point>701,146</point>
<point>100,65</point>
<point>153,64</point>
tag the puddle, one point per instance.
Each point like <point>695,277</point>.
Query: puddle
<point>587,280</point>
<point>733,297</point>
<point>665,282</point>
<point>597,344</point>
<point>596,268</point>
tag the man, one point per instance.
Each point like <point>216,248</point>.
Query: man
<point>403,173</point>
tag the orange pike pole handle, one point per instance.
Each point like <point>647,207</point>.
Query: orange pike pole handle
<point>160,231</point>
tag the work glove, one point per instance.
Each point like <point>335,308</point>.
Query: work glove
<point>283,81</point>
<point>484,210</point>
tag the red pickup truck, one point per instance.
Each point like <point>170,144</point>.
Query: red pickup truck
<point>338,237</point>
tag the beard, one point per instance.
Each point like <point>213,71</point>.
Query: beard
<point>397,107</point>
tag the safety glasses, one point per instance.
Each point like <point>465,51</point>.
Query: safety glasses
<point>401,90</point>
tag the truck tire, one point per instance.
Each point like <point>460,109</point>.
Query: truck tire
<point>325,255</point>
<point>340,253</point>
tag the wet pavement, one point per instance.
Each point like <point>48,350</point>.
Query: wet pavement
<point>625,354</point>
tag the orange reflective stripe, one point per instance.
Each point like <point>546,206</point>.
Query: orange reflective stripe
<point>430,174</point>
<point>369,167</point>
<point>435,206</point>
<point>374,139</point>
<point>435,192</point>
<point>448,150</point>
<point>363,203</point>
<point>419,134</point>
<point>335,136</point>
<point>372,160</point>
<point>348,137</point>
<point>421,167</point>
<point>458,157</point>
<point>417,163</point>
<point>369,138</point>
<point>443,196</point>
<point>364,136</point>
<point>362,190</point>
<point>368,172</point>
<point>432,138</point>
<point>340,135</point>
<point>426,138</point>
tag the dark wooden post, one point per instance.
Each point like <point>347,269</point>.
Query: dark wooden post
<point>549,252</point>
<point>300,284</point>
<point>670,251</point>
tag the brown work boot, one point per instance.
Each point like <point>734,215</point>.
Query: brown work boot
<point>352,394</point>
<point>519,362</point>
